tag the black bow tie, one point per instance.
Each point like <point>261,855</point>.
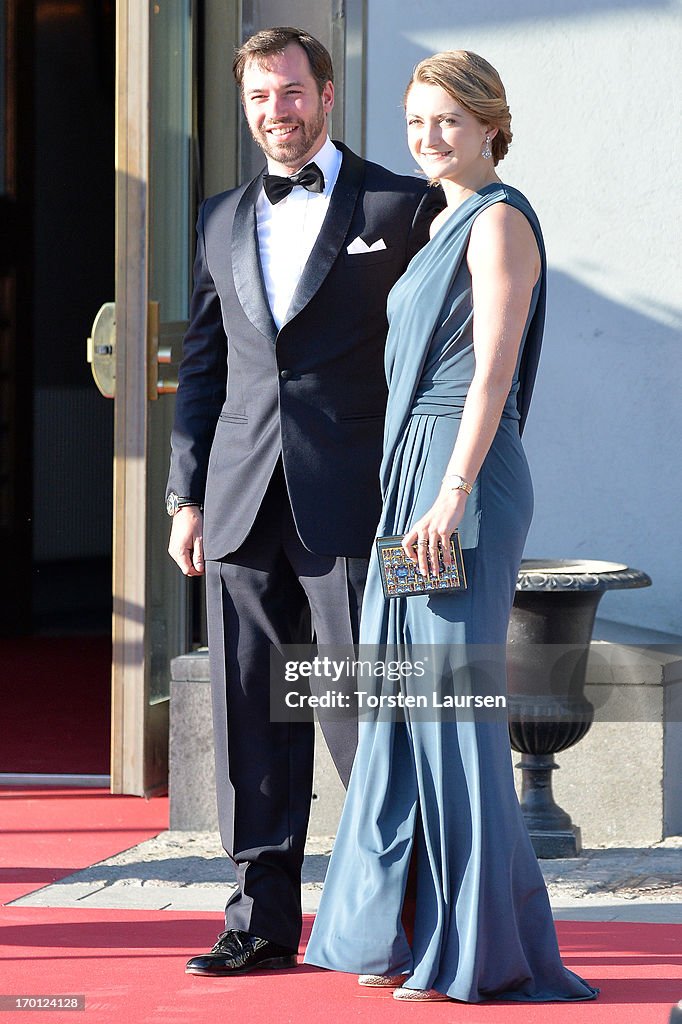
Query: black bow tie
<point>277,187</point>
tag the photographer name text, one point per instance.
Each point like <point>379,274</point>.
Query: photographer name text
<point>372,701</point>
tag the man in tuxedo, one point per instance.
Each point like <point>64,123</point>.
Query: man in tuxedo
<point>275,455</point>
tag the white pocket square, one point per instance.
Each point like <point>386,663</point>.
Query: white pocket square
<point>360,245</point>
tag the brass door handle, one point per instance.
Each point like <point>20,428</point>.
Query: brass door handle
<point>164,349</point>
<point>164,346</point>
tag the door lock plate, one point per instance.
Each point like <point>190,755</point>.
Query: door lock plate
<point>102,350</point>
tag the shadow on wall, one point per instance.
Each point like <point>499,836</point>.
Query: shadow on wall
<point>603,441</point>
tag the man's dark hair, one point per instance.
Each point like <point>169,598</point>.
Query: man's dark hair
<point>274,40</point>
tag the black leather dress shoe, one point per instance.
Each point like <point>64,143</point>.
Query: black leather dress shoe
<point>238,953</point>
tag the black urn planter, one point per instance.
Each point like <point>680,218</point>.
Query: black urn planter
<point>548,646</point>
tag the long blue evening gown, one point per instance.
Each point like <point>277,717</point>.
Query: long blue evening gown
<point>483,926</point>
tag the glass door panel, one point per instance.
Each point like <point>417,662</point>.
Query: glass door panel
<point>171,233</point>
<point>154,233</point>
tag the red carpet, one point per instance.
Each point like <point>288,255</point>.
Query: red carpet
<point>129,964</point>
<point>56,704</point>
<point>129,967</point>
<point>49,833</point>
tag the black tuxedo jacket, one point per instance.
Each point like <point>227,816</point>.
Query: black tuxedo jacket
<point>313,392</point>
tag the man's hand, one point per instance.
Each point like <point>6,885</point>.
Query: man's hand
<point>186,545</point>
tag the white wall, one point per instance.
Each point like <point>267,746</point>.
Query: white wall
<point>594,90</point>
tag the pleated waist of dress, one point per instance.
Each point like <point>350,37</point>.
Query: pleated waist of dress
<point>445,397</point>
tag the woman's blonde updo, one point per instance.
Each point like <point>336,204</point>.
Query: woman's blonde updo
<point>475,85</point>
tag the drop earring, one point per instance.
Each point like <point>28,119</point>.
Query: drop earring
<point>486,152</point>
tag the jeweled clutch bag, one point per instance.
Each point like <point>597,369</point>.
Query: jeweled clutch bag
<point>401,577</point>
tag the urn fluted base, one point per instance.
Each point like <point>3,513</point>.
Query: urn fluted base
<point>550,828</point>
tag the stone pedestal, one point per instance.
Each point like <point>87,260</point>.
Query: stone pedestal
<point>191,765</point>
<point>622,782</point>
<point>191,768</point>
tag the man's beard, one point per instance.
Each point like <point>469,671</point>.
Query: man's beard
<point>292,153</point>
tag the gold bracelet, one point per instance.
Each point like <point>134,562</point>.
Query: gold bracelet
<point>457,482</point>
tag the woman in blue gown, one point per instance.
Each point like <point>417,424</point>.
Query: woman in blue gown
<point>434,801</point>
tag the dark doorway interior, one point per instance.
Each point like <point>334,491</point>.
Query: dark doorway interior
<point>58,200</point>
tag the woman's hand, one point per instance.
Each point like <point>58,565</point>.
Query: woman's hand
<point>434,530</point>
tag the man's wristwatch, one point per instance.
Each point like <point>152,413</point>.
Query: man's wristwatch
<point>456,482</point>
<point>174,503</point>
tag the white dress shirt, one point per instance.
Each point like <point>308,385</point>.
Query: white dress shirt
<point>288,230</point>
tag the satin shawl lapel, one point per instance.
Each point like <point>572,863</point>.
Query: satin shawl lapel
<point>333,233</point>
<point>246,267</point>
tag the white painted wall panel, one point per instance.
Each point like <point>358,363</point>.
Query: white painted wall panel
<point>594,89</point>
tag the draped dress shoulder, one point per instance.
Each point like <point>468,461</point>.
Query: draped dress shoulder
<point>444,790</point>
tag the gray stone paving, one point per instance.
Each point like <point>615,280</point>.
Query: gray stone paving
<point>173,871</point>
<point>188,871</point>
